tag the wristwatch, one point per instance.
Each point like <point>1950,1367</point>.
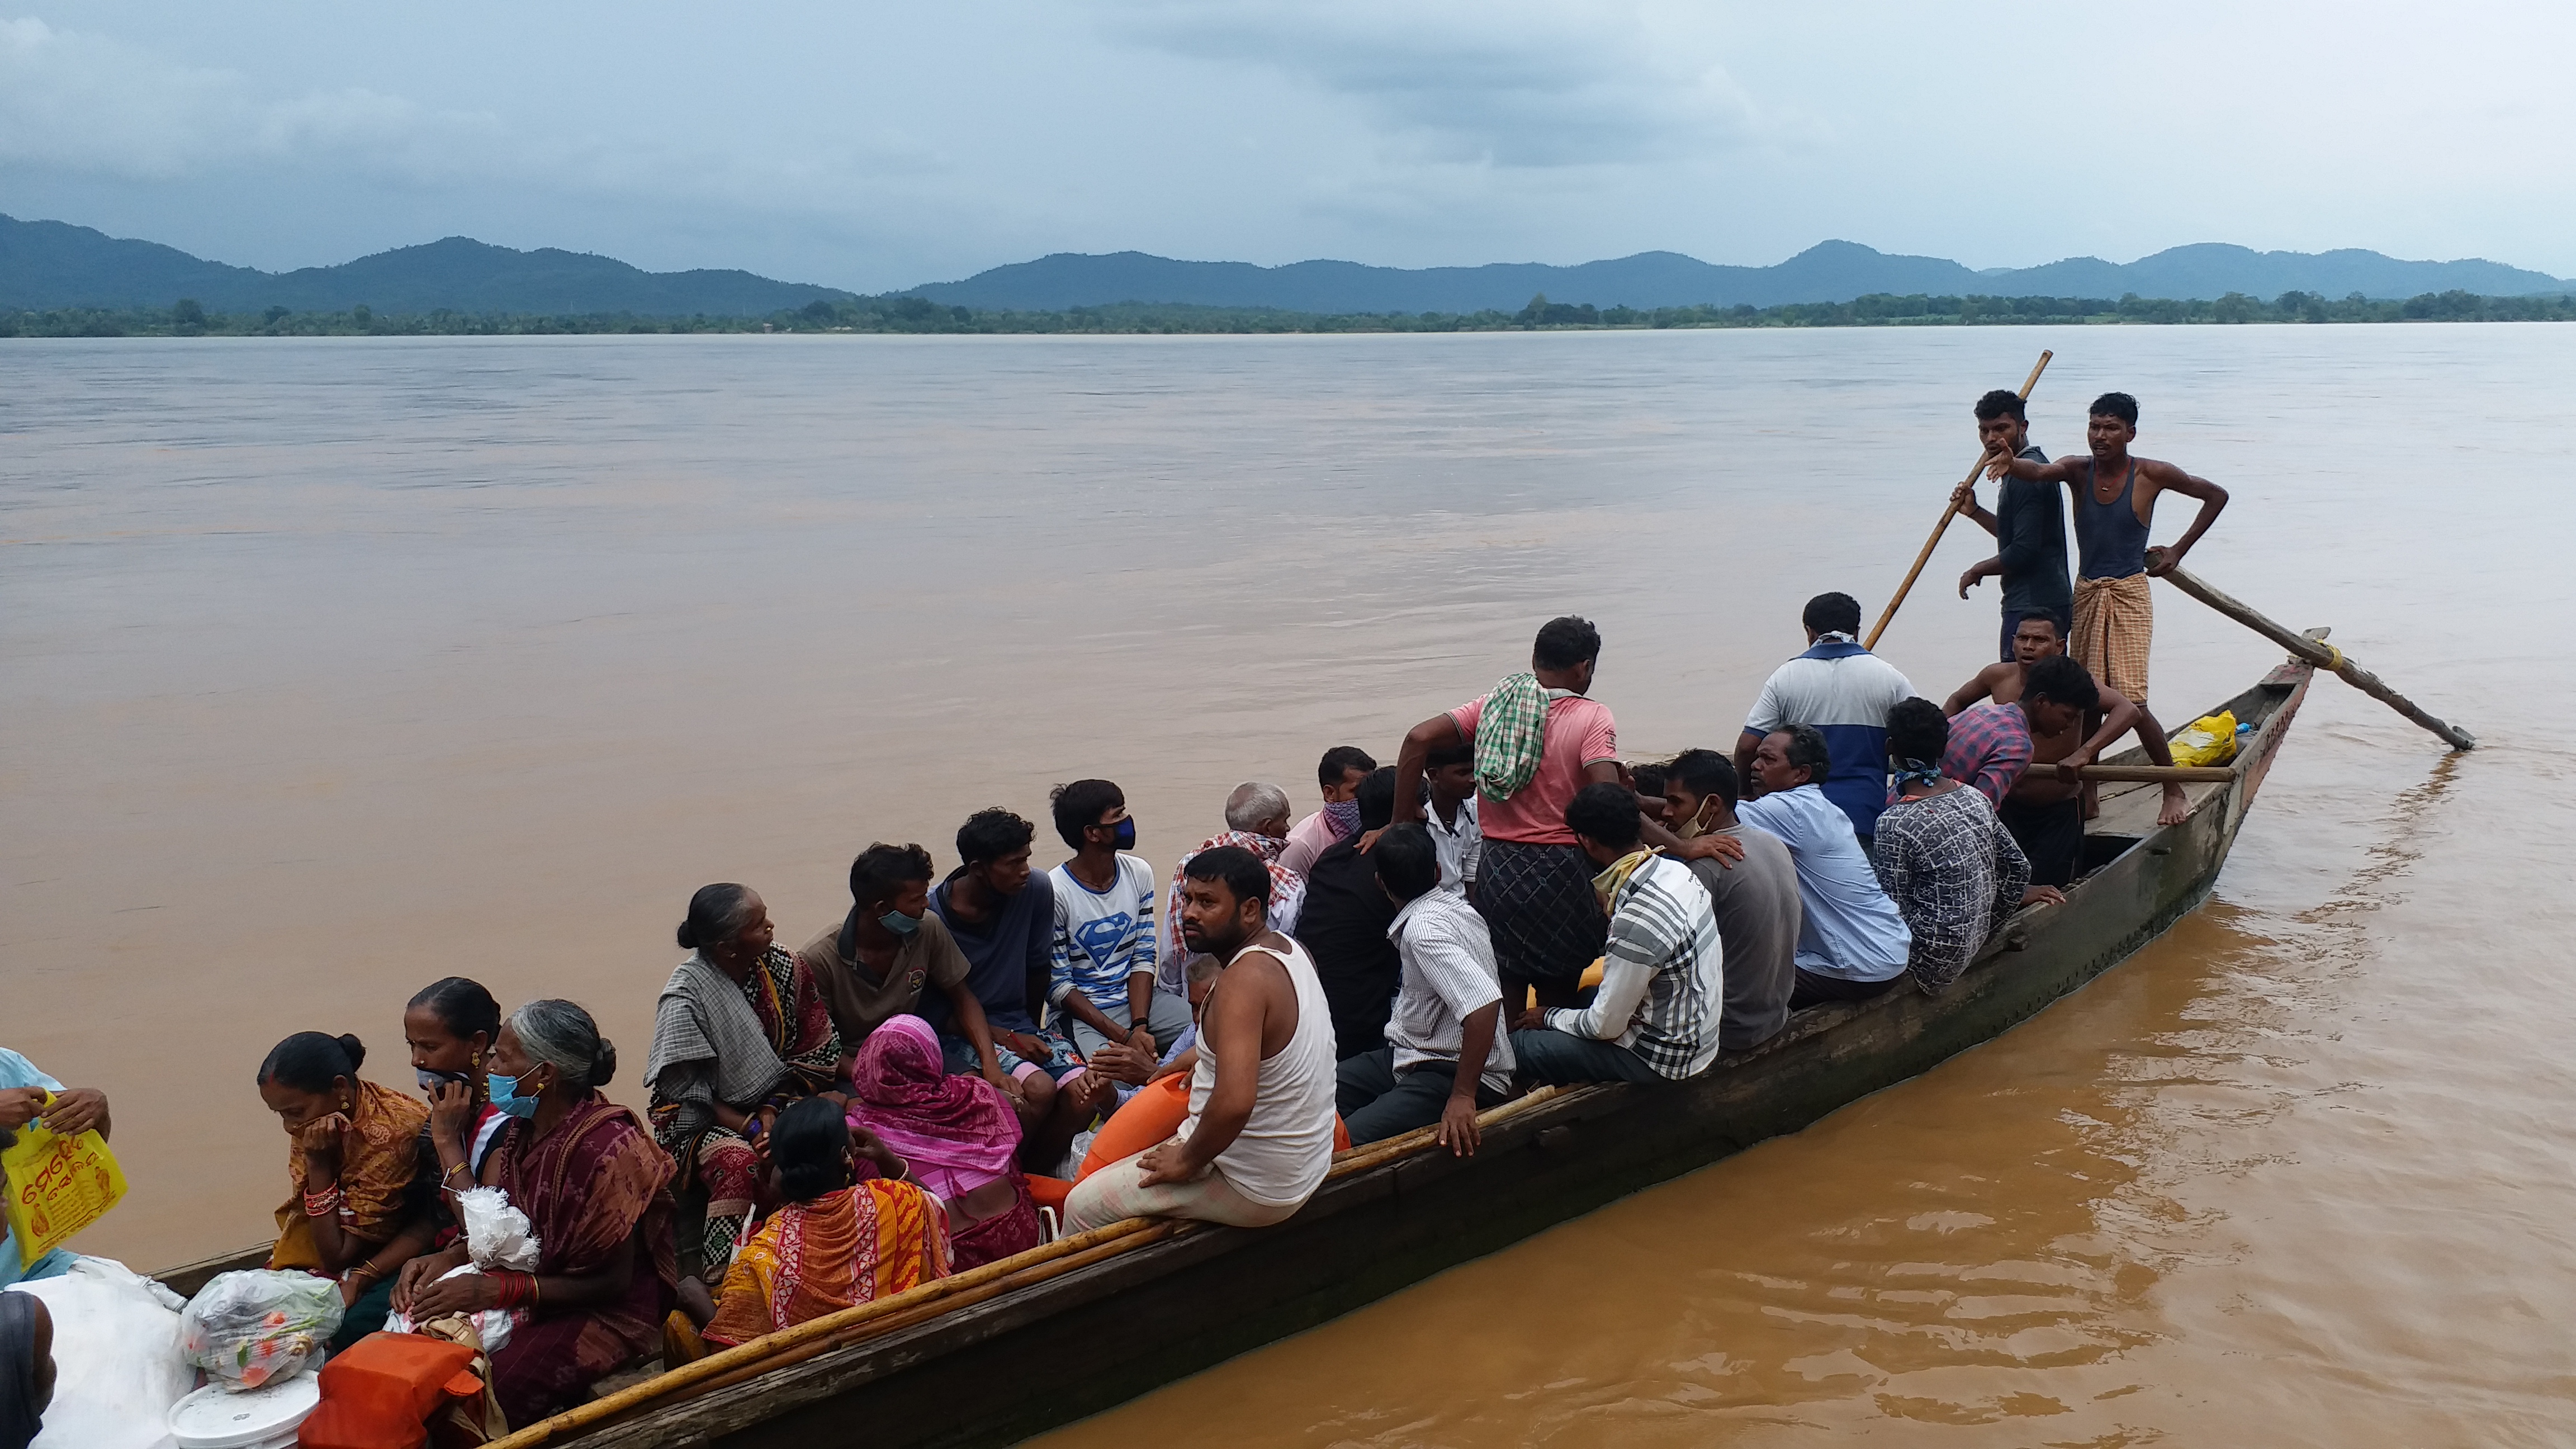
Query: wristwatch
<point>1139,1023</point>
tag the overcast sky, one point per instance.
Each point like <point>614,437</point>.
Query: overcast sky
<point>878,146</point>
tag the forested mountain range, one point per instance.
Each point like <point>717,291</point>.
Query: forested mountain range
<point>49,264</point>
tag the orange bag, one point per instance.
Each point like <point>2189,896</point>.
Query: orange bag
<point>1156,1112</point>
<point>381,1392</point>
<point>1049,1192</point>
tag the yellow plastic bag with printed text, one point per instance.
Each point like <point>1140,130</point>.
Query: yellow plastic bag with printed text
<point>56,1187</point>
<point>2209,740</point>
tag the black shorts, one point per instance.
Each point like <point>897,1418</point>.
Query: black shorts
<point>2051,835</point>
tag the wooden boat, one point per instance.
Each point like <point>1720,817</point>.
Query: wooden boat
<point>979,1359</point>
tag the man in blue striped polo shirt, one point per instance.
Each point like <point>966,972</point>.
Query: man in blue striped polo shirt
<point>1845,692</point>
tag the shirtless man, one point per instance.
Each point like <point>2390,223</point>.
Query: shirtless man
<point>2115,496</point>
<point>2042,810</point>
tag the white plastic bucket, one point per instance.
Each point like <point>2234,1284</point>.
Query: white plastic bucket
<point>266,1417</point>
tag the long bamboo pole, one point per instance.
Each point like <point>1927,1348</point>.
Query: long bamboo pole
<point>2154,774</point>
<point>886,1315</point>
<point>2323,656</point>
<point>761,1350</point>
<point>1947,513</point>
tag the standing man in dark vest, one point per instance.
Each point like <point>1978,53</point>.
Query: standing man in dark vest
<point>2029,525</point>
<point>2115,501</point>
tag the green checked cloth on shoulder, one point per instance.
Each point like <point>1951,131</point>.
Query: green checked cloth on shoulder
<point>1511,734</point>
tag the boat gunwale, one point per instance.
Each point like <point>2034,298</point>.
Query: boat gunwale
<point>852,1367</point>
<point>696,1415</point>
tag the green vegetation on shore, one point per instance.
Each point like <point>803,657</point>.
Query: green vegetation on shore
<point>914,315</point>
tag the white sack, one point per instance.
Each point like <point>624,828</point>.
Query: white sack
<point>116,1347</point>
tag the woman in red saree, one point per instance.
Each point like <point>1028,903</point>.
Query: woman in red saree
<point>957,1134</point>
<point>836,1242</point>
<point>596,1190</point>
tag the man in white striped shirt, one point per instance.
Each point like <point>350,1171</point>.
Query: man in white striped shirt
<point>1448,1010</point>
<point>1656,1015</point>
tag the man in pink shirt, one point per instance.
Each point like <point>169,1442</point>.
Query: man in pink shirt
<point>1534,885</point>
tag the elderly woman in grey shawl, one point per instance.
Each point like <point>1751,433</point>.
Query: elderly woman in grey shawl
<point>741,1031</point>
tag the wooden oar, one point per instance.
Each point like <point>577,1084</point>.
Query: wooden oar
<point>1947,513</point>
<point>2323,656</point>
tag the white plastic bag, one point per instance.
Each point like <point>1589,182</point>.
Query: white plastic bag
<point>498,1240</point>
<point>116,1350</point>
<point>259,1325</point>
<point>493,1324</point>
<point>496,1234</point>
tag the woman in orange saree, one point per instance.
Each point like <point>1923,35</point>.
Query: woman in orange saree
<point>835,1243</point>
<point>362,1188</point>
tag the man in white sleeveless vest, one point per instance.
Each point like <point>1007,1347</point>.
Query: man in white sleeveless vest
<point>1259,1136</point>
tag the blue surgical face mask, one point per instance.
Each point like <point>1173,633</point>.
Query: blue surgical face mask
<point>899,923</point>
<point>505,1095</point>
<point>1127,833</point>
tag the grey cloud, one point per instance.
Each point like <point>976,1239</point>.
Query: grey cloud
<point>1501,84</point>
<point>89,103</point>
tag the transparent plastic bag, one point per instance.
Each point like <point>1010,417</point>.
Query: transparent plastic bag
<point>260,1325</point>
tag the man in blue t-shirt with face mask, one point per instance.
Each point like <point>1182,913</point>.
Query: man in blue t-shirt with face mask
<point>1100,987</point>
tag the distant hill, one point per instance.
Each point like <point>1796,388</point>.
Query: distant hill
<point>50,264</point>
<point>1834,271</point>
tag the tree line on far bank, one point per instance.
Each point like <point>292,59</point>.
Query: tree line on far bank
<point>899,314</point>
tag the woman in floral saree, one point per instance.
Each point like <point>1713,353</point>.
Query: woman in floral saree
<point>836,1241</point>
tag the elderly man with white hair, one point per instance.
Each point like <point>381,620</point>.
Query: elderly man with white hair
<point>1256,818</point>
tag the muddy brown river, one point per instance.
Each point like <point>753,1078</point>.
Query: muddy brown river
<point>328,668</point>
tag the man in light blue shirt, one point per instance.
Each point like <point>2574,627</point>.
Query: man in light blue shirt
<point>23,1093</point>
<point>1852,944</point>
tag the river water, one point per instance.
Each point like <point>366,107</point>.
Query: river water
<point>331,667</point>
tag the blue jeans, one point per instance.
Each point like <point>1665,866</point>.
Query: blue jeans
<point>1561,1056</point>
<point>1376,1103</point>
<point>960,1058</point>
<point>1168,1015</point>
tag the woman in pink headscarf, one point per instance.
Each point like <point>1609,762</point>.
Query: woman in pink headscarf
<point>957,1135</point>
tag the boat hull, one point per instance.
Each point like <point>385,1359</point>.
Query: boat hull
<point>1003,1370</point>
